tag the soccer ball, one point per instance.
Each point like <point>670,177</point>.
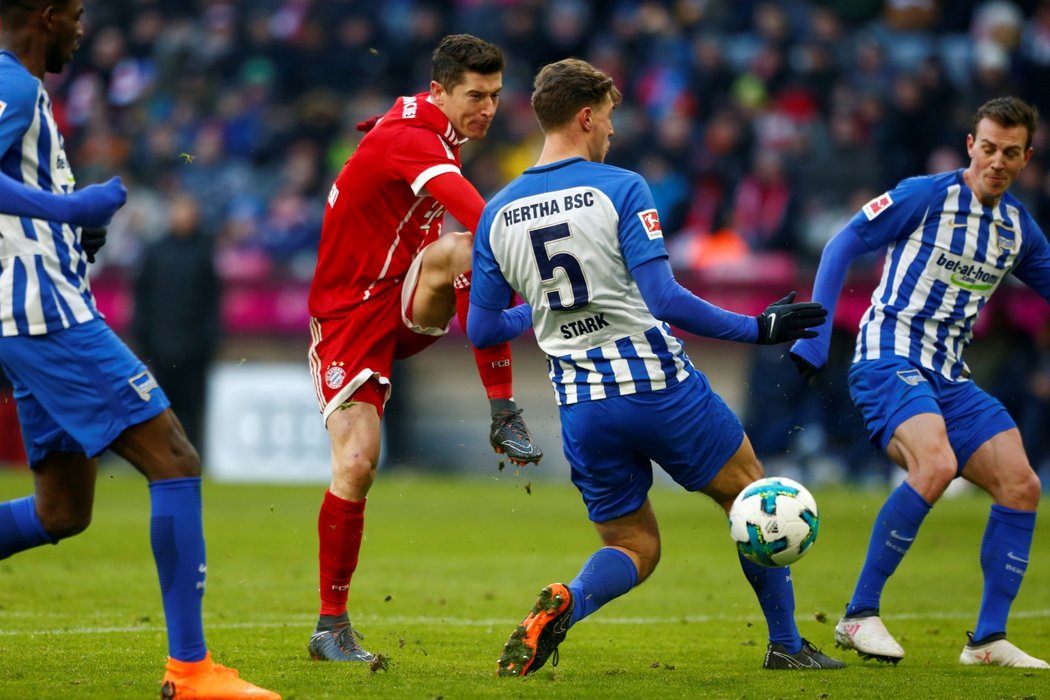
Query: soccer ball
<point>774,521</point>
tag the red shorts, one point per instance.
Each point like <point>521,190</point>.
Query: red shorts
<point>351,357</point>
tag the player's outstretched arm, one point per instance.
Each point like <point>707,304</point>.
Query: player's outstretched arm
<point>810,354</point>
<point>669,301</point>
<point>786,320</point>
<point>487,327</point>
<point>92,206</point>
<point>459,197</point>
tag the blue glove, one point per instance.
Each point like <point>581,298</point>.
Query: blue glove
<point>95,205</point>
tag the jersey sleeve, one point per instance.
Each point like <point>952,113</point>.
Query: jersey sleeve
<point>893,214</point>
<point>488,287</point>
<point>459,198</point>
<point>1034,266</point>
<point>419,155</point>
<point>641,237</point>
<point>17,101</point>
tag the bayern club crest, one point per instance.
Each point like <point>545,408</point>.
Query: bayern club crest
<point>335,375</point>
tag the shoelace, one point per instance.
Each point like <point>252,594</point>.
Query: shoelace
<point>507,418</point>
<point>345,638</point>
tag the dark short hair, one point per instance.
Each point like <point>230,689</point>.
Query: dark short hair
<point>8,8</point>
<point>458,54</point>
<point>1008,112</point>
<point>563,88</point>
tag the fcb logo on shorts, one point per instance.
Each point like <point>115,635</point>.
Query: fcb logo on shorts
<point>335,375</point>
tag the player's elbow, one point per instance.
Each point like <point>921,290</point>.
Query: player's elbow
<point>479,335</point>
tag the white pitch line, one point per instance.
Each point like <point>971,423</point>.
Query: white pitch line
<point>494,622</point>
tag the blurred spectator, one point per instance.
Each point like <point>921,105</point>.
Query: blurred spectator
<point>762,205</point>
<point>698,250</point>
<point>176,320</point>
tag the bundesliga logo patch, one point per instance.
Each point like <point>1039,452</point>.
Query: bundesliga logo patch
<point>3,106</point>
<point>335,375</point>
<point>877,205</point>
<point>651,223</point>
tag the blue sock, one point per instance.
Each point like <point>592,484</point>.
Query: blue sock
<point>177,536</point>
<point>1004,558</point>
<point>776,596</point>
<point>20,528</point>
<point>608,574</point>
<point>895,529</point>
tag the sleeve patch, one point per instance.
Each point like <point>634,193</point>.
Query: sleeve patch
<point>651,223</point>
<point>877,205</point>
<point>3,106</point>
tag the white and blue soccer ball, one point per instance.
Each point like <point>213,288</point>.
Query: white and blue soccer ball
<point>774,521</point>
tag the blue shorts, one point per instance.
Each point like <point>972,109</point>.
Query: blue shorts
<point>77,389</point>
<point>891,390</point>
<point>611,443</point>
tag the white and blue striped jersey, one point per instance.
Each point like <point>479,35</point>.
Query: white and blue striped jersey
<point>43,269</point>
<point>945,255</point>
<point>565,237</point>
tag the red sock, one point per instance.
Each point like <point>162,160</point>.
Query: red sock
<point>339,529</point>
<point>493,362</point>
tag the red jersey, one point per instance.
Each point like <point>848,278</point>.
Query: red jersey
<point>379,214</point>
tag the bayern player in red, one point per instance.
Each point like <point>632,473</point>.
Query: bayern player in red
<point>386,286</point>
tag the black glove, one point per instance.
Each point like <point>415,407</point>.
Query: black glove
<point>805,368</point>
<point>91,240</point>
<point>784,320</point>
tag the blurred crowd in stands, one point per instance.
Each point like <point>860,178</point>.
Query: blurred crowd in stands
<point>761,126</point>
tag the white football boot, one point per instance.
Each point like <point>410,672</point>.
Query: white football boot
<point>998,653</point>
<point>869,638</point>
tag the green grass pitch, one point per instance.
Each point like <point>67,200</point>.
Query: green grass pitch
<point>449,567</point>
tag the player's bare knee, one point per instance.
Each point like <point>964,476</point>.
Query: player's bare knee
<point>65,524</point>
<point>187,461</point>
<point>353,475</point>
<point>1020,493</point>
<point>647,564</point>
<point>932,473</point>
<point>449,256</point>
<point>461,253</point>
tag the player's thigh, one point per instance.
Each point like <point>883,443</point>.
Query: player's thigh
<point>702,446</point>
<point>612,473</point>
<point>353,351</point>
<point>741,469</point>
<point>1000,467</point>
<point>888,392</point>
<point>611,443</point>
<point>159,448</point>
<point>973,417</point>
<point>918,440</point>
<point>80,388</point>
<point>431,293</point>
